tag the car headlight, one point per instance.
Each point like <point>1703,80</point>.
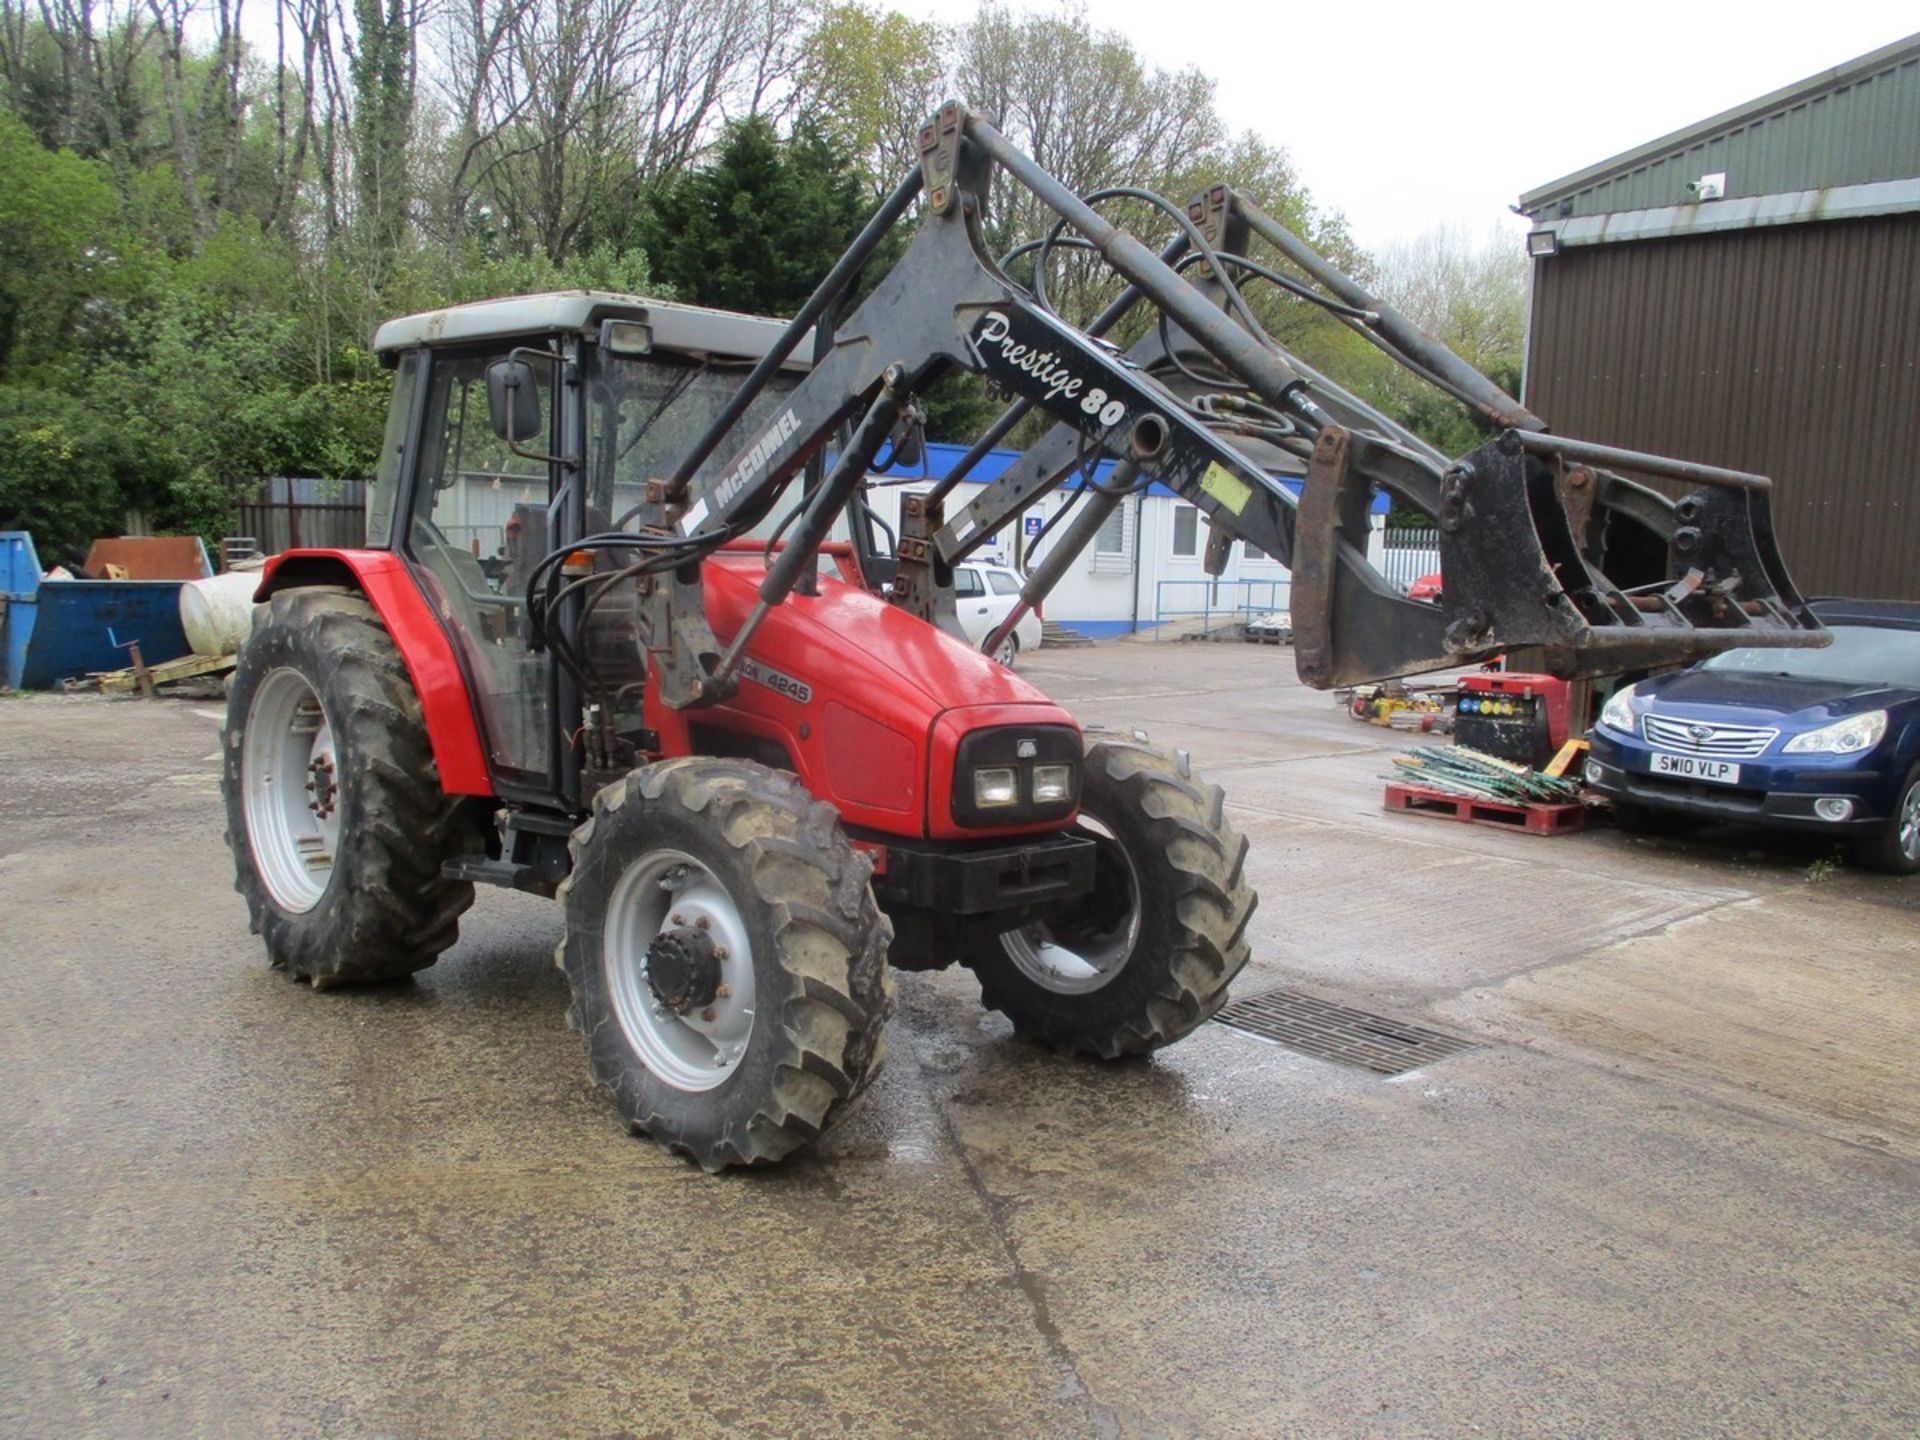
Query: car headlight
<point>1843,737</point>
<point>1052,784</point>
<point>996,786</point>
<point>1617,713</point>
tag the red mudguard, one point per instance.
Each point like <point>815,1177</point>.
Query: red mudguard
<point>437,678</point>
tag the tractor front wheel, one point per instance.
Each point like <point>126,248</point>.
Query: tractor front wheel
<point>335,814</point>
<point>1147,956</point>
<point>726,959</point>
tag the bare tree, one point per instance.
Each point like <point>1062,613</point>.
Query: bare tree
<point>1089,110</point>
<point>1470,292</point>
<point>473,82</point>
<point>872,77</point>
<point>563,110</point>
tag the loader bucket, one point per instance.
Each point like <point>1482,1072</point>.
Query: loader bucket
<point>1542,548</point>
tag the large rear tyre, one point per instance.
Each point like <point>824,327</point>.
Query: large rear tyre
<point>726,958</point>
<point>335,814</point>
<point>1148,956</point>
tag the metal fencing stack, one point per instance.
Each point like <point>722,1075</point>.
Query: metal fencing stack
<point>1460,784</point>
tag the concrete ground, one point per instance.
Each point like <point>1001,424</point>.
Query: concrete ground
<point>1673,1194</point>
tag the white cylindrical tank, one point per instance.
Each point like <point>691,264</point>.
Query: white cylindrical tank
<point>217,613</point>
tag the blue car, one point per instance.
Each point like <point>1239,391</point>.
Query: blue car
<point>1810,740</point>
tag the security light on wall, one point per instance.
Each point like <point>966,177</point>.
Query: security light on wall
<point>1542,243</point>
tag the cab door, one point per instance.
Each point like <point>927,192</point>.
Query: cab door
<point>477,525</point>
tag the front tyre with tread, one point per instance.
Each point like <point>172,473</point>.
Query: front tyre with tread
<point>335,814</point>
<point>1148,956</point>
<point>676,858</point>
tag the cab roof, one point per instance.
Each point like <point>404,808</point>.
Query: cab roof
<point>686,329</point>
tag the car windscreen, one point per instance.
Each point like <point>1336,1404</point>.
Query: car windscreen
<point>1860,654</point>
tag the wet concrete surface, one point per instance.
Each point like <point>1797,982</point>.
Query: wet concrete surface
<point>1673,1193</point>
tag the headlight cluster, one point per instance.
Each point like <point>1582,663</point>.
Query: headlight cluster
<point>1617,713</point>
<point>1844,737</point>
<point>1013,775</point>
<point>998,785</point>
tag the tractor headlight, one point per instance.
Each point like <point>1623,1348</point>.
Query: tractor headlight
<point>1844,737</point>
<point>1052,784</point>
<point>996,787</point>
<point>1617,713</point>
<point>1005,775</point>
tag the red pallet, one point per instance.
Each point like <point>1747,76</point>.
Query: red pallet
<point>1535,819</point>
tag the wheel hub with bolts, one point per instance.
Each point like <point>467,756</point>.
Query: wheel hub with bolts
<point>683,970</point>
<point>324,786</point>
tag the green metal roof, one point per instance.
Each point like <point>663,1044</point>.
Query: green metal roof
<point>1855,124</point>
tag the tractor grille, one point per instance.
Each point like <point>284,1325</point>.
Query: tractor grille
<point>1699,737</point>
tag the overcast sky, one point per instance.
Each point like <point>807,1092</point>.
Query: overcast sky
<point>1408,115</point>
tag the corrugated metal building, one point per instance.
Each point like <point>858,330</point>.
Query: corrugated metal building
<point>1747,292</point>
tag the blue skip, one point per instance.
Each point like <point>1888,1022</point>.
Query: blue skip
<point>57,630</point>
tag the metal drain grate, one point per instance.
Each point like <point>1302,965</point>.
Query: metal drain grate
<point>1340,1033</point>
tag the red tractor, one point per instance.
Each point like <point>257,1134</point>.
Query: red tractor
<point>627,633</point>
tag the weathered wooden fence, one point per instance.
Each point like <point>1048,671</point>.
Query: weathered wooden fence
<point>289,512</point>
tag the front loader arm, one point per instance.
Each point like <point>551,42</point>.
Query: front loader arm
<point>1540,546</point>
<point>946,304</point>
<point>1528,523</point>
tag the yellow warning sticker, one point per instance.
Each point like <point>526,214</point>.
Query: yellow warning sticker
<point>1226,487</point>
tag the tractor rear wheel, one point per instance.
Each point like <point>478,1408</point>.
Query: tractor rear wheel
<point>726,959</point>
<point>335,814</point>
<point>1148,955</point>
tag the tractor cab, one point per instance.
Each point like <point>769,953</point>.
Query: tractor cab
<point>611,391</point>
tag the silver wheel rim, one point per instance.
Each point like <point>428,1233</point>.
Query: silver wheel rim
<point>1079,967</point>
<point>1006,650</point>
<point>668,889</point>
<point>291,791</point>
<point>1910,823</point>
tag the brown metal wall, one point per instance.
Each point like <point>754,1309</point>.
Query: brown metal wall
<point>1794,352</point>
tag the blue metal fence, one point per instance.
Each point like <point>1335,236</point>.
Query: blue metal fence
<point>1217,603</point>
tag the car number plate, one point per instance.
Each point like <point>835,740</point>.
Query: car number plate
<point>1692,767</point>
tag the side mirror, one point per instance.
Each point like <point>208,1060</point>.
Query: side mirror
<point>513,401</point>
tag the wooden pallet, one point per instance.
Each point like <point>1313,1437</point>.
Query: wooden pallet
<point>187,667</point>
<point>1534,819</point>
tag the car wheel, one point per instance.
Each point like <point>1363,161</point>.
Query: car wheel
<point>1008,650</point>
<point>1895,846</point>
